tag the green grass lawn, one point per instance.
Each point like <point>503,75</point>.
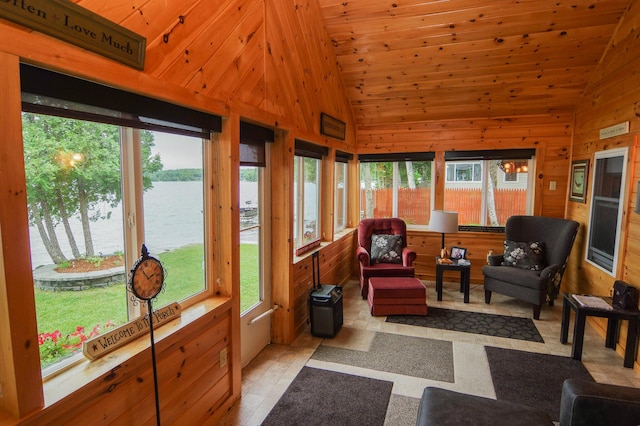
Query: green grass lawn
<point>66,310</point>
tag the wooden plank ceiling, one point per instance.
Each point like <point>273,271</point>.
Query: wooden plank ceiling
<point>415,60</point>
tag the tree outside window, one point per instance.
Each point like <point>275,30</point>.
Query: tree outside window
<point>396,189</point>
<point>76,185</point>
<point>486,192</point>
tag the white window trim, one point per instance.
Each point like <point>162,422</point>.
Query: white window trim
<point>456,163</point>
<point>617,152</point>
<point>300,200</point>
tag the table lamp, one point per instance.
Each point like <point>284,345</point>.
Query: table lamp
<point>443,221</point>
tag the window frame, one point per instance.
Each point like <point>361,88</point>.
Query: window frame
<point>300,199</point>
<point>340,201</point>
<point>473,165</point>
<point>130,165</point>
<point>596,179</point>
<point>396,184</point>
<point>483,157</point>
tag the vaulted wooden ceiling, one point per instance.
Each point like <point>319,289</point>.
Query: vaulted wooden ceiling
<point>413,60</point>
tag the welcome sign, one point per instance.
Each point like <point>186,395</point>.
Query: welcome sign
<point>113,339</point>
<point>74,24</point>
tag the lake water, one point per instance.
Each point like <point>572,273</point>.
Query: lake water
<point>166,204</point>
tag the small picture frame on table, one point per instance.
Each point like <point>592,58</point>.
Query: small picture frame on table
<point>458,252</point>
<point>579,179</point>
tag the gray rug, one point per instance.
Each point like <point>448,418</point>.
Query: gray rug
<point>473,322</point>
<point>409,356</point>
<point>402,410</point>
<point>322,397</point>
<point>532,379</point>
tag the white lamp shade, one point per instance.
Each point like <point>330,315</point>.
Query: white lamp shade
<point>443,221</point>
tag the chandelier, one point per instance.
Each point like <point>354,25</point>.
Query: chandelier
<point>513,166</point>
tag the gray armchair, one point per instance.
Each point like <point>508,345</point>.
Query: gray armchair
<point>534,282</point>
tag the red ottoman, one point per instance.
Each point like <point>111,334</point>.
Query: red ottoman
<point>397,296</point>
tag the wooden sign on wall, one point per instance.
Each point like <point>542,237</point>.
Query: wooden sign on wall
<point>333,127</point>
<point>74,24</point>
<point>615,130</point>
<point>113,339</point>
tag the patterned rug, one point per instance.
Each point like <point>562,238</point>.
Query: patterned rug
<point>322,397</point>
<point>473,322</point>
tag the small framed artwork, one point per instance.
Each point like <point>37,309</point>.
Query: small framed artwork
<point>458,252</point>
<point>579,178</point>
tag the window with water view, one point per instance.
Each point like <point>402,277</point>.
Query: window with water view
<point>81,189</point>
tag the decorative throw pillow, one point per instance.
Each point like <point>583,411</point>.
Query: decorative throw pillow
<point>386,248</point>
<point>524,255</point>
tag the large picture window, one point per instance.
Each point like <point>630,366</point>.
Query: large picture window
<point>609,176</point>
<point>487,187</point>
<point>396,186</point>
<point>100,183</point>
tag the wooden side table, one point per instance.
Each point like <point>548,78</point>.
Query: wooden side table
<point>465,274</point>
<point>614,316</point>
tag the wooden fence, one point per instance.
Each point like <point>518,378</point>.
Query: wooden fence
<point>414,205</point>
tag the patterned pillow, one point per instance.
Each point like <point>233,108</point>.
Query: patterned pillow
<point>524,255</point>
<point>386,248</point>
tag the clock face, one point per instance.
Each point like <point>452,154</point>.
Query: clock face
<point>147,278</point>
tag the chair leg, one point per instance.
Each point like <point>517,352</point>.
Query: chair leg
<point>536,311</point>
<point>487,297</point>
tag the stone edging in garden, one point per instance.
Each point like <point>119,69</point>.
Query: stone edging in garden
<point>46,278</point>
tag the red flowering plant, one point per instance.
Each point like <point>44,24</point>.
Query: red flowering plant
<point>55,346</point>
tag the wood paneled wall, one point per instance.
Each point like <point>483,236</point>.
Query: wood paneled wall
<point>611,98</point>
<point>549,135</point>
<point>262,61</point>
<point>427,247</point>
<point>336,267</point>
<point>187,359</point>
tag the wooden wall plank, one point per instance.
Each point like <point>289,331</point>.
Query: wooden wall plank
<point>610,99</point>
<point>19,352</point>
<point>336,267</point>
<point>549,135</point>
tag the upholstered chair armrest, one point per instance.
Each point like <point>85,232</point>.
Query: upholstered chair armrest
<point>591,403</point>
<point>408,256</point>
<point>495,259</point>
<point>363,256</point>
<point>550,271</point>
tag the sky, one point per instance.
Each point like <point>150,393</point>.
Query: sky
<point>178,152</point>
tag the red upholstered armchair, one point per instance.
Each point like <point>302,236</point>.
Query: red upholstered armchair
<point>382,266</point>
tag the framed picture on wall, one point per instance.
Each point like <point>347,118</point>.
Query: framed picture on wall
<point>579,179</point>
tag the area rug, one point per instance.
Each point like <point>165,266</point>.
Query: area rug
<point>473,322</point>
<point>406,355</point>
<point>322,397</point>
<point>532,379</point>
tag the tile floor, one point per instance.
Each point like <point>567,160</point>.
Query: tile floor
<point>266,378</point>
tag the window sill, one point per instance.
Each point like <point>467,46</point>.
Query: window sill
<point>336,237</point>
<point>342,233</point>
<point>84,371</point>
